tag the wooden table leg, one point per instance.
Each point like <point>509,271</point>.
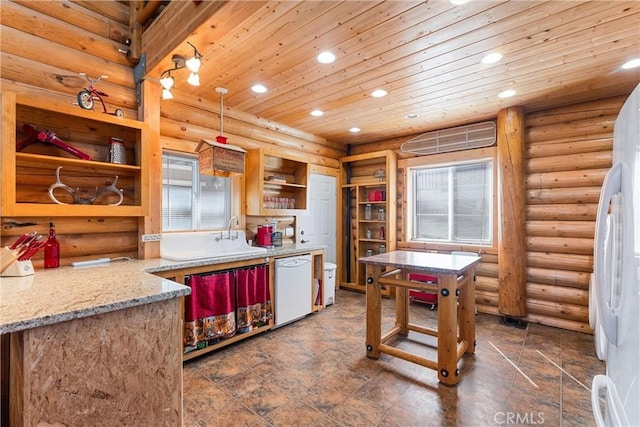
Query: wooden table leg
<point>467,311</point>
<point>374,311</point>
<point>402,307</point>
<point>447,329</point>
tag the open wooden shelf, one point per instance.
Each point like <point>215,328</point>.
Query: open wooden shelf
<point>28,174</point>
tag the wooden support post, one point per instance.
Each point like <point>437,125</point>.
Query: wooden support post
<point>135,31</point>
<point>151,185</point>
<point>512,300</point>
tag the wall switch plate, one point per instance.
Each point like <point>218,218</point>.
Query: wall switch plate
<point>288,231</point>
<point>151,237</point>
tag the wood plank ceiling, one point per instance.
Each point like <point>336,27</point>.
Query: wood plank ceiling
<point>426,54</point>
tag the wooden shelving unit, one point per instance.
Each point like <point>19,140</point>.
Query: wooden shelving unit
<point>275,184</point>
<point>368,182</point>
<point>27,174</point>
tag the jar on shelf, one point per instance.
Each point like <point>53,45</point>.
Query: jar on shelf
<point>381,236</point>
<point>369,252</point>
<point>368,211</point>
<point>381,214</point>
<point>369,234</point>
<point>383,248</point>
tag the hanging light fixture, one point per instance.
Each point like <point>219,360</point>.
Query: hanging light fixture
<point>218,157</point>
<point>179,61</point>
<point>222,91</point>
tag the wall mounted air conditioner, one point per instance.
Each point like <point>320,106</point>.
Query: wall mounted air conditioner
<point>453,139</point>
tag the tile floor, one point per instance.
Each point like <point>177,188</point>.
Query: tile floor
<point>314,372</point>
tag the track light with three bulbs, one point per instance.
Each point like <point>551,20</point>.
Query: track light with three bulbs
<point>179,61</point>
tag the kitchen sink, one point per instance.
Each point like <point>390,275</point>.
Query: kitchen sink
<point>186,246</point>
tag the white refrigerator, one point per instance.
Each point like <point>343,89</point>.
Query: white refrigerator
<point>615,308</point>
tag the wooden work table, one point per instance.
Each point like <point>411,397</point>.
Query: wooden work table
<point>455,283</point>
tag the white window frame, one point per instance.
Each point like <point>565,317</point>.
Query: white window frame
<point>232,209</point>
<point>443,160</point>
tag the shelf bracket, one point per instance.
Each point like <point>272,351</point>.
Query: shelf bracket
<point>139,72</point>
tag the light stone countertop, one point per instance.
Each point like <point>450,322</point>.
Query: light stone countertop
<point>65,293</point>
<point>426,261</point>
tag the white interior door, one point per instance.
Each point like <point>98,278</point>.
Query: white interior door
<point>318,224</point>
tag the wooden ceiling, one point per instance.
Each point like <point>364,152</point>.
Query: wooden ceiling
<point>426,54</point>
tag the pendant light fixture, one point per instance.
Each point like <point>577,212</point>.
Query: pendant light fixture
<point>217,157</point>
<point>179,61</point>
<point>221,138</point>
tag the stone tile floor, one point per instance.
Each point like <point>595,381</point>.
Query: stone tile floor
<point>314,372</point>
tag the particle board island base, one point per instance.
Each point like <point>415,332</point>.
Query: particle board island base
<point>92,346</point>
<point>101,345</point>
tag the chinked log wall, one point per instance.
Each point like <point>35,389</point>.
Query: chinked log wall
<point>567,153</point>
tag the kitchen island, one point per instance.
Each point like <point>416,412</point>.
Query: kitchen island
<point>99,345</point>
<point>454,285</point>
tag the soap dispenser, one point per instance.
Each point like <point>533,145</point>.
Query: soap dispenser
<point>52,249</point>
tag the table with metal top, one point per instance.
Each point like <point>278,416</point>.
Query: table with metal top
<point>456,291</point>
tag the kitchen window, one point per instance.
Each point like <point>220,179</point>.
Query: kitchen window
<point>451,202</point>
<point>190,200</point>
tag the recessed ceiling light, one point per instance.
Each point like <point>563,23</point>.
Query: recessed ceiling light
<point>492,58</point>
<point>506,93</point>
<point>412,116</point>
<point>354,130</point>
<point>458,2</point>
<point>379,93</point>
<point>259,88</point>
<point>317,113</point>
<point>631,64</point>
<point>326,57</point>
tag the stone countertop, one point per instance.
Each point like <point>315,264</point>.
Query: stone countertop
<point>65,293</point>
<point>422,261</point>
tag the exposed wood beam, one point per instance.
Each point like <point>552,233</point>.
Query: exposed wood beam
<point>147,10</point>
<point>201,23</point>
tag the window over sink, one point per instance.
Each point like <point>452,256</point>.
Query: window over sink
<point>190,200</point>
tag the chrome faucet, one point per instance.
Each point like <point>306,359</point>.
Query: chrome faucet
<point>237,223</point>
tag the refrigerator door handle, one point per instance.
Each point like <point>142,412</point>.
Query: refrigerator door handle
<point>599,383</point>
<point>610,187</point>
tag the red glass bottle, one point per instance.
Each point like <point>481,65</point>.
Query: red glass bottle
<point>52,249</point>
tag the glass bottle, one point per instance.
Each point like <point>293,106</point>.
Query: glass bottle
<point>381,214</point>
<point>381,236</point>
<point>51,249</point>
<point>368,211</point>
<point>369,234</point>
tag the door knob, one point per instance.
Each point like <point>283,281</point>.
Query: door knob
<point>304,241</point>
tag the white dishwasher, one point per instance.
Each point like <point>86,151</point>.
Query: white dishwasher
<point>293,288</point>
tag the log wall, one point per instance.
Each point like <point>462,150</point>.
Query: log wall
<point>567,153</point>
<point>44,45</point>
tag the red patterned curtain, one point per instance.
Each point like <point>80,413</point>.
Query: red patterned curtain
<point>209,310</point>
<point>254,307</point>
